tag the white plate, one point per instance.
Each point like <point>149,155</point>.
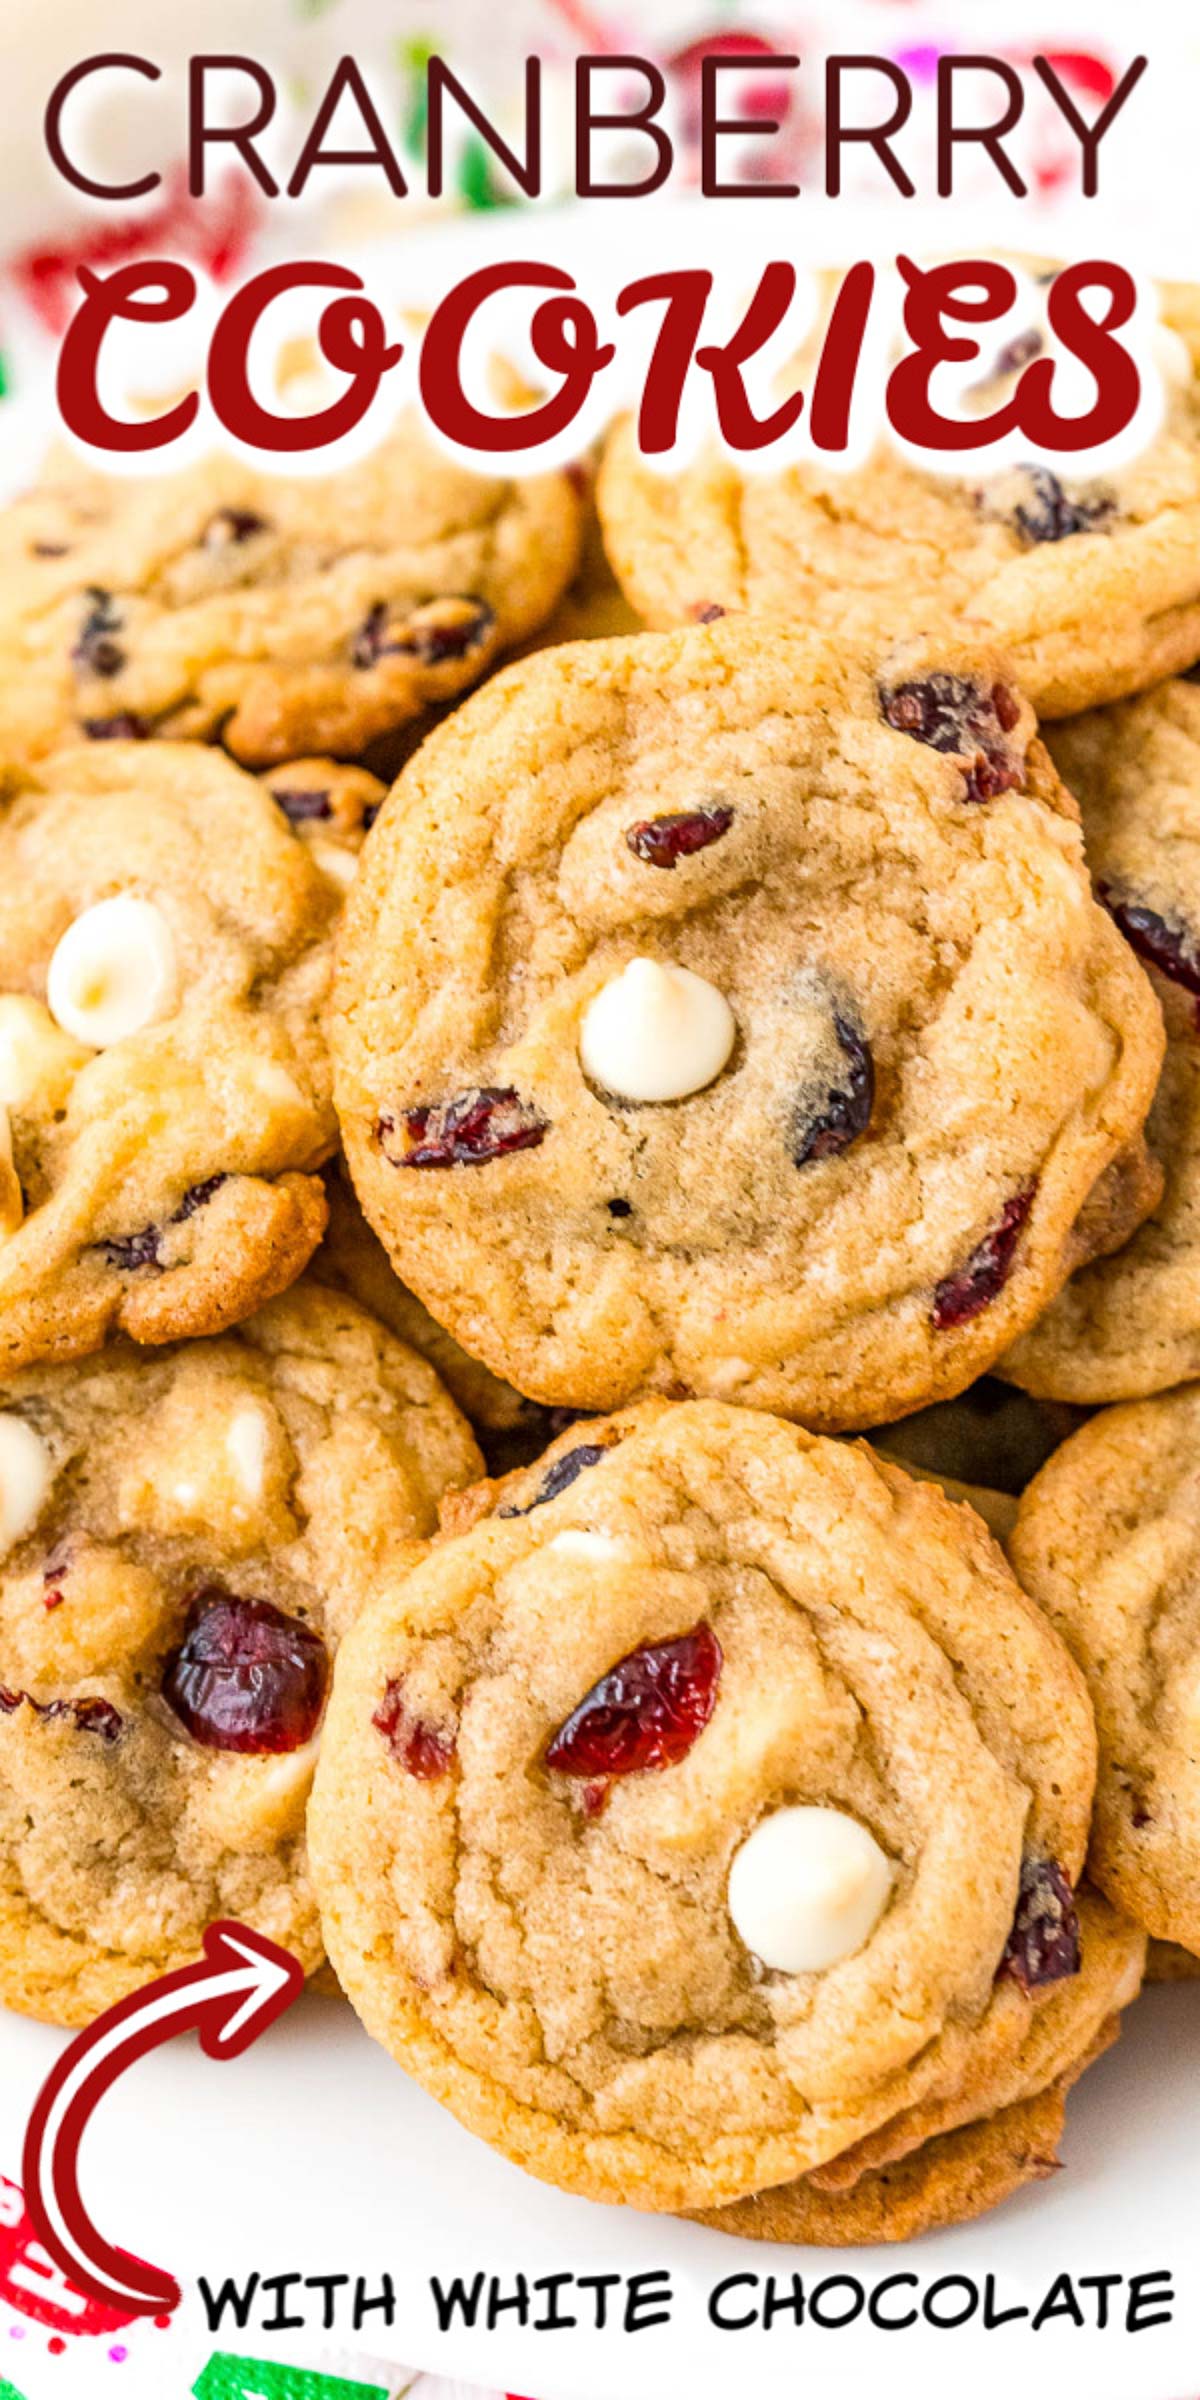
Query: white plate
<point>315,2154</point>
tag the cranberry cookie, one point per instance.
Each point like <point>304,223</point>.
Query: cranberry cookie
<point>276,616</point>
<point>691,1813</point>
<point>1130,1324</point>
<point>164,1080</point>
<point>1108,1542</point>
<point>183,1539</point>
<point>730,1014</point>
<point>1092,587</point>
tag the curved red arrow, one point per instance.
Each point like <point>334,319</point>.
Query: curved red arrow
<point>229,1998</point>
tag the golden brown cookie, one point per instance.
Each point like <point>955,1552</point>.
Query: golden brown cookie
<point>1092,587</point>
<point>952,2180</point>
<point>278,616</point>
<point>729,1013</point>
<point>1108,1543</point>
<point>353,1259</point>
<point>164,1079</point>
<point>1130,1323</point>
<point>183,1540</point>
<point>682,1820</point>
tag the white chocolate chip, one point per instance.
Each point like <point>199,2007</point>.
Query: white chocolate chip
<point>575,1541</point>
<point>247,1443</point>
<point>656,1032</point>
<point>807,1888</point>
<point>114,972</point>
<point>272,1082</point>
<point>26,1474</point>
<point>37,1062</point>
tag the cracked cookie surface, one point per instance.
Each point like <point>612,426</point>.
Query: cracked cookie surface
<point>1108,1543</point>
<point>548,1742</point>
<point>277,616</point>
<point>183,1540</point>
<point>1093,589</point>
<point>750,997</point>
<point>1130,1323</point>
<point>164,1079</point>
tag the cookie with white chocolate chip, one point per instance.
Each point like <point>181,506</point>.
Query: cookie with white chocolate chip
<point>183,1540</point>
<point>711,1797</point>
<point>728,1012</point>
<point>1091,584</point>
<point>164,1080</point>
<point>1108,1543</point>
<point>277,616</point>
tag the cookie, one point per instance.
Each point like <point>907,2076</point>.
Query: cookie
<point>729,1014</point>
<point>1092,586</point>
<point>679,1820</point>
<point>1108,1543</point>
<point>164,1079</point>
<point>997,1509</point>
<point>354,1261</point>
<point>1130,1324</point>
<point>185,1538</point>
<point>278,616</point>
<point>958,2177</point>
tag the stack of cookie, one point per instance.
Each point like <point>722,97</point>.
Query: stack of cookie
<point>720,1040</point>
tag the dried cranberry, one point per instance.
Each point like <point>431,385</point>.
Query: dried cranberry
<point>91,1715</point>
<point>97,649</point>
<point>476,1126</point>
<point>245,1676</point>
<point>231,525</point>
<point>1050,514</point>
<point>124,727</point>
<point>1044,1945</point>
<point>441,630</point>
<point>369,814</point>
<point>845,1108</point>
<point>970,1289</point>
<point>303,808</point>
<point>663,841</point>
<point>1170,948</point>
<point>561,1476</point>
<point>646,1712</point>
<point>706,612</point>
<point>129,1252</point>
<point>954,715</point>
<point>54,1568</point>
<point>423,1750</point>
<point>49,549</point>
<point>197,1197</point>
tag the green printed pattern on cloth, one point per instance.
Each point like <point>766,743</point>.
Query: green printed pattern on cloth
<point>229,2378</point>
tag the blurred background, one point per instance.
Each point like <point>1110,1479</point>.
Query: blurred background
<point>1146,212</point>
